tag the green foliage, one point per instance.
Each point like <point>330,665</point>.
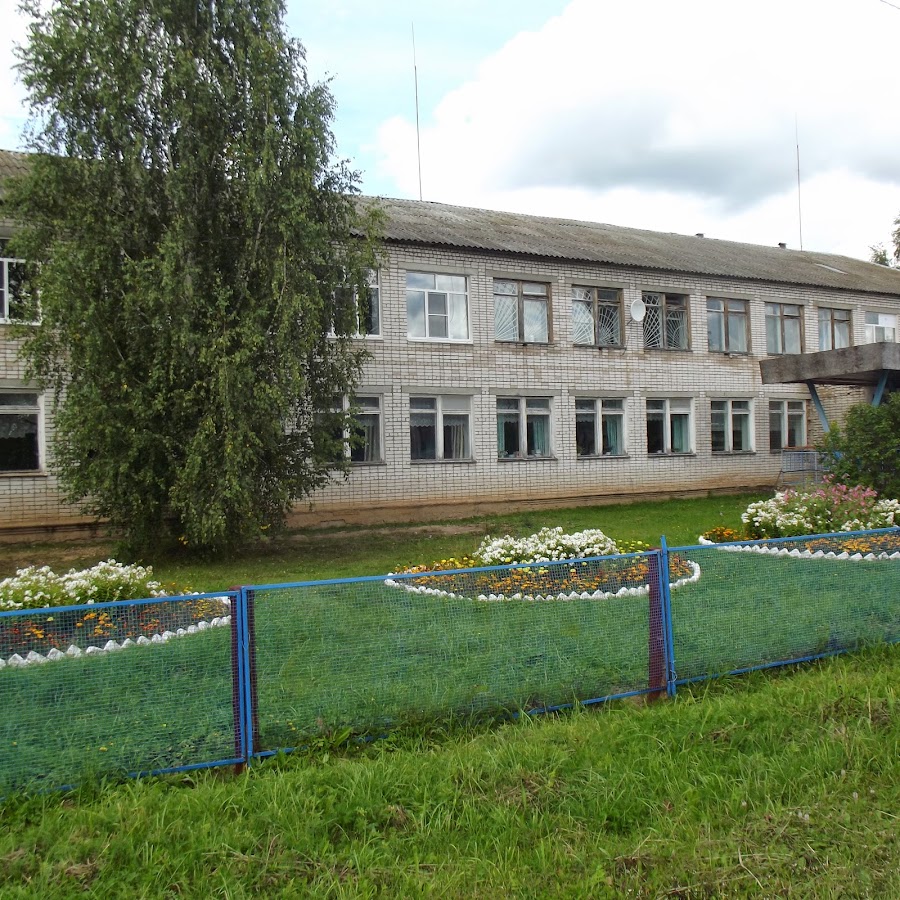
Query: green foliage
<point>866,450</point>
<point>193,245</point>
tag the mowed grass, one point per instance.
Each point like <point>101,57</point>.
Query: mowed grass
<point>776,785</point>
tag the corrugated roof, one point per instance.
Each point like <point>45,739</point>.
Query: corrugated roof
<point>440,224</point>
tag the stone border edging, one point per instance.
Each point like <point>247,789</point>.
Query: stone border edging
<point>800,554</point>
<point>543,598</point>
<point>34,658</point>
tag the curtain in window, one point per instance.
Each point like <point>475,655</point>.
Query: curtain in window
<point>422,438</point>
<point>456,437</point>
<point>538,428</point>
<point>613,443</point>
<point>366,446</point>
<point>680,433</point>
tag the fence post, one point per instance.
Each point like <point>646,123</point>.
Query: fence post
<point>252,695</point>
<point>668,635</point>
<point>656,660</point>
<point>237,700</point>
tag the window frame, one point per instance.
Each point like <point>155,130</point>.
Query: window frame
<point>784,423</point>
<point>599,416</point>
<point>830,331</point>
<point>35,409</point>
<point>522,420</point>
<point>354,406</point>
<point>439,427</point>
<point>596,303</point>
<point>733,310</point>
<point>872,328</point>
<point>669,303</point>
<point>775,313</point>
<point>5,262</point>
<point>668,412</point>
<point>730,415</point>
<point>521,298</point>
<point>427,315</point>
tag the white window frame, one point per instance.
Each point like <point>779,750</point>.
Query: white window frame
<point>441,287</point>
<point>525,409</point>
<point>601,409</point>
<point>732,413</point>
<point>25,409</point>
<point>777,317</point>
<point>444,405</point>
<point>670,408</point>
<point>724,312</point>
<point>373,279</point>
<point>526,291</point>
<point>827,327</point>
<point>597,298</point>
<point>785,410</point>
<point>881,331</point>
<point>364,404</point>
<point>5,263</point>
<point>666,307</point>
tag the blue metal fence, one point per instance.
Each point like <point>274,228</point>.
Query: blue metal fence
<point>176,683</point>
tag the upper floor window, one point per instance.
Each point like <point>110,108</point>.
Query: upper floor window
<point>19,432</point>
<point>440,428</point>
<point>787,424</point>
<point>521,311</point>
<point>523,427</point>
<point>880,327</point>
<point>597,316</point>
<point>437,307</point>
<point>726,325</point>
<point>784,328</point>
<point>666,321</point>
<point>599,427</point>
<point>669,426</point>
<point>730,430</point>
<point>834,328</point>
<point>13,296</point>
<point>359,318</point>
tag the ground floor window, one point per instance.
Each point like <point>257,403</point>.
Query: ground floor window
<point>669,426</point>
<point>19,432</point>
<point>730,426</point>
<point>787,424</point>
<point>599,427</point>
<point>440,428</point>
<point>523,427</point>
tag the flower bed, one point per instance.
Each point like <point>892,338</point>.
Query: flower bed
<point>549,577</point>
<point>52,631</point>
<point>856,547</point>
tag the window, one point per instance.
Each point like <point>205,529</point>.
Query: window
<point>521,311</point>
<point>666,322</point>
<point>784,328</point>
<point>668,426</point>
<point>19,432</point>
<point>597,316</point>
<point>730,430</point>
<point>600,427</point>
<point>523,427</point>
<point>880,327</point>
<point>834,328</point>
<point>365,322</point>
<point>362,440</point>
<point>726,325</point>
<point>437,307</point>
<point>787,424</point>
<point>439,428</point>
<point>13,296</point>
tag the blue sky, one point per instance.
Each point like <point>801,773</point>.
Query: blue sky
<point>673,116</point>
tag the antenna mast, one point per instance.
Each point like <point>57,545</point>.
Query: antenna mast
<point>799,205</point>
<point>416,81</point>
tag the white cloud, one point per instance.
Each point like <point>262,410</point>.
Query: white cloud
<point>677,116</point>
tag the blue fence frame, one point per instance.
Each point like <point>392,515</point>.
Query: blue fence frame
<point>662,625</point>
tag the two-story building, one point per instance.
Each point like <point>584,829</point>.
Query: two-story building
<point>520,360</point>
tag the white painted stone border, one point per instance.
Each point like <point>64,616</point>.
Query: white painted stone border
<point>800,554</point>
<point>405,585</point>
<point>34,658</point>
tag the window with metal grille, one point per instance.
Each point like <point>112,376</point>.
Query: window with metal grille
<point>521,311</point>
<point>665,321</point>
<point>597,316</point>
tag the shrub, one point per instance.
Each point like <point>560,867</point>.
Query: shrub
<point>830,508</point>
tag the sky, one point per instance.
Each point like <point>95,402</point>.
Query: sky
<point>670,115</point>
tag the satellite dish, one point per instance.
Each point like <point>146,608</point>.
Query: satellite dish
<point>638,310</point>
